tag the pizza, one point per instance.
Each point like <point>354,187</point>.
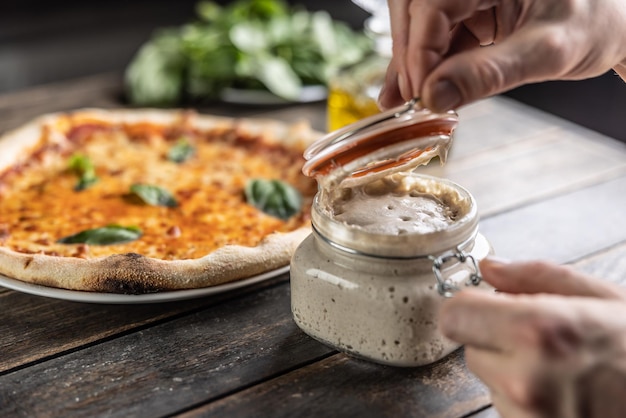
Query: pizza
<point>141,201</point>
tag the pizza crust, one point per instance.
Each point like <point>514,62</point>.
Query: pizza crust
<point>132,273</point>
<point>135,274</point>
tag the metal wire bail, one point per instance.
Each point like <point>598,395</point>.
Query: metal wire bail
<point>446,287</point>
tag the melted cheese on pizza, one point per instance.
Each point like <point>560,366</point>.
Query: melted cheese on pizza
<point>39,204</point>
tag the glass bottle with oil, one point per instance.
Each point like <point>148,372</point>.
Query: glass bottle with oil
<point>353,91</point>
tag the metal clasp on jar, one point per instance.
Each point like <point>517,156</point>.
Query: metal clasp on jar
<point>446,287</point>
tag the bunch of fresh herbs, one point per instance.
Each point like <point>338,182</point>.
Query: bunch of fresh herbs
<point>246,44</point>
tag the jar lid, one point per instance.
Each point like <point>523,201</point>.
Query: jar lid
<point>395,140</point>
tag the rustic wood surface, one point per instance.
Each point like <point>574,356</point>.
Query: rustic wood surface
<point>545,188</point>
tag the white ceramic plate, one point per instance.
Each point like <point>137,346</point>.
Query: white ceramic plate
<point>114,298</point>
<point>308,94</point>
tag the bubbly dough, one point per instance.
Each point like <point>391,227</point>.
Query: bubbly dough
<point>396,205</point>
<point>396,214</point>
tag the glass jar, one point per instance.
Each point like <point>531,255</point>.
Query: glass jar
<point>364,283</point>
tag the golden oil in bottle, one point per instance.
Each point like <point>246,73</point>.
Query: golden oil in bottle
<point>353,91</point>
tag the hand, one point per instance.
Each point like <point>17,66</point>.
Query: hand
<point>437,53</point>
<point>552,345</point>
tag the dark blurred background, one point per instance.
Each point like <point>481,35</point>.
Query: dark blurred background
<point>46,41</point>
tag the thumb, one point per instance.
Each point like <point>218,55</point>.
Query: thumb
<point>528,55</point>
<point>545,277</point>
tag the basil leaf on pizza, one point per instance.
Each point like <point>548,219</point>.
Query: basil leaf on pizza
<point>153,195</point>
<point>82,166</point>
<point>107,235</point>
<point>274,197</point>
<point>181,151</point>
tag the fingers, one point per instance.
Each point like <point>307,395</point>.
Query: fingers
<point>494,369</point>
<point>507,408</point>
<point>480,319</point>
<point>507,376</point>
<point>575,341</point>
<point>421,33</point>
<point>428,42</point>
<point>400,28</point>
<point>532,349</point>
<point>544,277</point>
<point>390,93</point>
<point>506,323</point>
<point>482,72</point>
<point>527,43</point>
<point>548,322</point>
<point>462,39</point>
<point>621,70</point>
<point>422,38</point>
<point>482,25</point>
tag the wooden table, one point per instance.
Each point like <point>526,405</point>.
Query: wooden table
<point>545,188</point>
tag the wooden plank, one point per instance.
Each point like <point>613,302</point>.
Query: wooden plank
<point>498,120</point>
<point>521,172</point>
<point>34,328</point>
<point>343,387</point>
<point>166,367</point>
<point>607,265</point>
<point>563,229</point>
<point>543,168</point>
<point>495,122</point>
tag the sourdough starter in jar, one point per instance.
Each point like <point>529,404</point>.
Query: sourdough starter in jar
<point>387,244</point>
<point>396,205</point>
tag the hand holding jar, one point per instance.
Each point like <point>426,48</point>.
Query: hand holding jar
<point>437,53</point>
<point>551,343</point>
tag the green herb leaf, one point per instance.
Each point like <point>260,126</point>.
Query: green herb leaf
<point>208,11</point>
<point>155,76</point>
<point>181,151</point>
<point>278,77</point>
<point>249,37</point>
<point>82,166</point>
<point>245,44</point>
<point>85,182</point>
<point>108,235</point>
<point>154,195</point>
<point>324,35</point>
<point>274,197</point>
